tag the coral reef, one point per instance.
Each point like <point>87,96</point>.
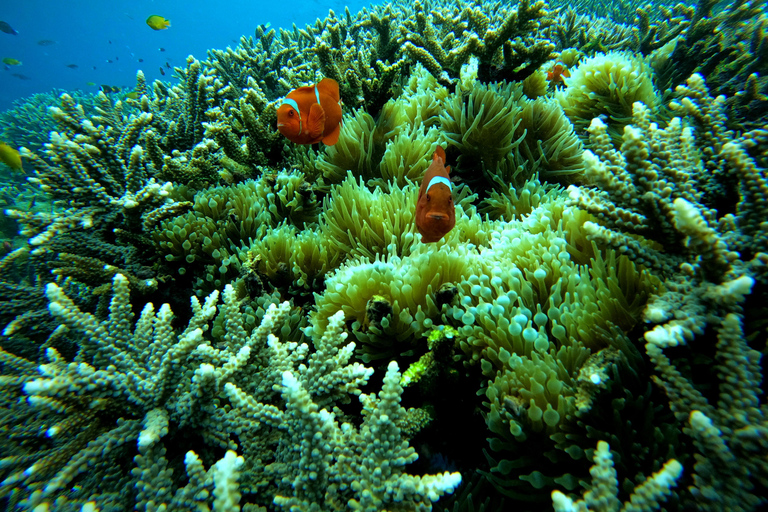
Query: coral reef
<point>604,285</point>
<point>161,381</point>
<point>728,46</point>
<point>509,44</point>
<point>605,487</point>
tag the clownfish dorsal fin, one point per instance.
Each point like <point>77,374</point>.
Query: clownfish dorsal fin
<point>315,121</point>
<point>330,87</point>
<point>439,153</point>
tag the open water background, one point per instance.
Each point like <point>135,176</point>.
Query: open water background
<point>89,33</point>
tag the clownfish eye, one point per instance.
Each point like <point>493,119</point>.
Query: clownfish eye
<point>428,198</point>
<point>290,113</point>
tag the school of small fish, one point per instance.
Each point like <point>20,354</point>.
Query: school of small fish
<point>154,21</point>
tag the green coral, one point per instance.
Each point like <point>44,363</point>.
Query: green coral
<point>518,331</point>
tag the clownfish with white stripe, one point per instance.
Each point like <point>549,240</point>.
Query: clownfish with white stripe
<point>435,213</point>
<point>311,114</point>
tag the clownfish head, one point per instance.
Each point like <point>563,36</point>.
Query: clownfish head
<point>289,118</point>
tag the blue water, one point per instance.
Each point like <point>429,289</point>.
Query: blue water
<point>89,33</point>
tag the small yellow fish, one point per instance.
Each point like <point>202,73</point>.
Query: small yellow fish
<point>156,22</point>
<point>11,62</point>
<point>90,84</point>
<point>10,157</point>
<point>133,95</point>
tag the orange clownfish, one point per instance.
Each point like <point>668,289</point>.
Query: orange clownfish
<point>311,114</point>
<point>435,214</point>
<point>557,72</point>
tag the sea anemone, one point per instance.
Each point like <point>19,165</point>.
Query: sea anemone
<point>607,84</point>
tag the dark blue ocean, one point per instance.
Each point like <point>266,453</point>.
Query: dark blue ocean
<point>105,40</point>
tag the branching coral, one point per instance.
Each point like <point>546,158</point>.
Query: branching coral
<point>364,57</point>
<point>730,470</point>
<point>734,182</point>
<point>643,189</point>
<point>147,383</point>
<point>709,286</point>
<point>648,35</point>
<point>509,44</point>
<point>726,45</point>
<point>27,123</point>
<point>603,495</point>
<point>101,182</point>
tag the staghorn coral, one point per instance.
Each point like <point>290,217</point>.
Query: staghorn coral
<point>729,470</point>
<point>100,182</point>
<point>27,123</point>
<point>648,35</point>
<point>603,495</point>
<point>257,58</point>
<point>637,189</point>
<point>154,382</point>
<point>508,44</point>
<point>582,31</point>
<point>244,132</point>
<point>733,183</point>
<point>363,55</point>
<point>706,279</point>
<point>726,45</point>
